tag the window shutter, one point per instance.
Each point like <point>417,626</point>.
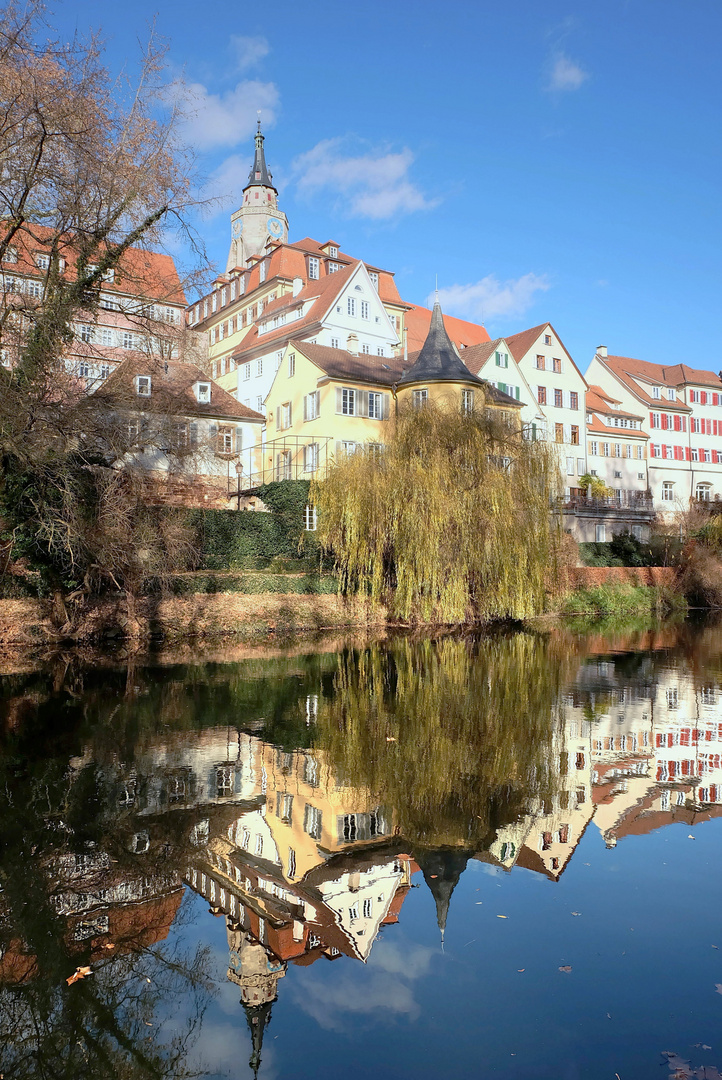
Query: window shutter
<point>688,453</point>
<point>239,439</point>
<point>664,420</point>
<point>339,399</point>
<point>278,418</point>
<point>305,406</point>
<point>339,448</point>
<point>317,395</point>
<point>213,432</point>
<point>194,434</point>
<point>385,406</point>
<point>290,414</point>
<point>567,433</point>
<point>363,402</point>
<point>676,423</point>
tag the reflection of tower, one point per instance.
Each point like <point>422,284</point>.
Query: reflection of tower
<point>257,973</point>
<point>442,869</point>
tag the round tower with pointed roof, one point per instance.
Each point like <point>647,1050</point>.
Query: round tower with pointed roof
<point>439,374</point>
<point>258,219</point>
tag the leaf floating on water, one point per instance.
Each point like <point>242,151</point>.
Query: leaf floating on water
<point>502,916</point>
<point>520,970</point>
<point>390,738</point>
<point>690,837</point>
<point>576,913</point>
<point>478,902</point>
<point>566,968</point>
<point>80,973</point>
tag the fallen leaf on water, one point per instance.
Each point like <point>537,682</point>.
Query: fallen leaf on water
<point>715,946</point>
<point>520,970</point>
<point>690,837</point>
<point>147,1024</point>
<point>433,875</point>
<point>502,916</point>
<point>390,738</point>
<point>147,980</point>
<point>567,967</point>
<point>478,902</point>
<point>80,973</point>
<point>576,913</point>
<point>609,1016</point>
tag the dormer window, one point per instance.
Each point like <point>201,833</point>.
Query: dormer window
<point>42,262</point>
<point>656,393</point>
<point>142,385</point>
<point>203,392</point>
<point>11,255</point>
<point>312,268</point>
<point>374,279</point>
<point>333,267</point>
<point>108,275</point>
<point>333,251</point>
<point>262,271</point>
<point>671,394</point>
<point>224,297</point>
<point>214,302</point>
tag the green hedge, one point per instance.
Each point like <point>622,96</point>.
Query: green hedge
<point>249,584</point>
<point>626,550</point>
<point>232,540</point>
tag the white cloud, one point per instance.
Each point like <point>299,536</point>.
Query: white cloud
<point>248,51</point>
<point>490,298</point>
<point>225,184</point>
<point>375,184</point>
<point>214,120</point>
<point>565,74</point>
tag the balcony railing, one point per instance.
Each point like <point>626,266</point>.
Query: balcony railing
<point>290,457</point>
<point>622,500</point>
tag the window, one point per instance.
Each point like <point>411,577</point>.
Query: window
<point>128,340</point>
<point>364,309</point>
<point>575,435</point>
<point>558,398</point>
<point>84,369</point>
<point>374,279</point>
<point>541,362</point>
<point>259,366</point>
<point>366,349</point>
<point>467,402</point>
<point>419,398</point>
<point>541,393</point>
<point>225,440</point>
<point>656,393</point>
<point>312,819</point>
<point>214,302</point>
<point>605,449</point>
<point>600,534</point>
<point>617,475</point>
<point>375,405</point>
<point>351,305</point>
<point>380,350</point>
<point>284,465</point>
<point>312,405</point>
<point>570,466</point>
<point>291,863</point>
<point>348,401</point>
<point>594,448</point>
<point>313,269</point>
<point>262,271</point>
<point>559,433</point>
<point>291,365</point>
<point>702,492</point>
<point>557,366</point>
<point>11,255</point>
<point>104,371</point>
<point>695,455</point>
<point>334,342</point>
<point>106,336</point>
<point>502,359</point>
<point>580,466</point>
<point>573,400</point>
<point>547,339</point>
<point>617,449</point>
<point>309,515</point>
<point>86,333</point>
<point>204,392</point>
<point>259,404</point>
<point>142,385</point>
<point>671,394</point>
<point>637,532</point>
<point>667,491</point>
<point>247,371</point>
<point>310,459</point>
<point>180,436</point>
<point>284,416</point>
<point>42,262</point>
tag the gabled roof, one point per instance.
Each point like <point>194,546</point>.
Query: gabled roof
<point>476,355</point>
<point>462,333</point>
<point>597,425</point>
<point>143,273</point>
<point>172,391</point>
<point>438,360</point>
<point>340,364</point>
<point>598,400</point>
<point>626,369</point>
<point>675,375</point>
<point>521,343</point>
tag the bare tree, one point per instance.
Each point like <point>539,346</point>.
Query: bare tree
<point>92,178</point>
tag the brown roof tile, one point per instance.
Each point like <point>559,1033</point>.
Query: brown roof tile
<point>172,391</point>
<point>462,333</point>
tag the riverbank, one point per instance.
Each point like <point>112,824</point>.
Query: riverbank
<point>236,608</point>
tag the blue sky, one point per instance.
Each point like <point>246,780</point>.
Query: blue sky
<point>549,160</point>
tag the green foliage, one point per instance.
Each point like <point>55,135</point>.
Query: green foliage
<point>248,584</point>
<point>599,488</point>
<point>615,601</point>
<point>625,550</point>
<point>233,540</point>
<point>450,523</point>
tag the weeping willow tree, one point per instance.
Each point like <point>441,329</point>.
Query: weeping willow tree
<point>456,738</point>
<point>450,523</point>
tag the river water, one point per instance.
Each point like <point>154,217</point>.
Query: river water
<point>459,857</point>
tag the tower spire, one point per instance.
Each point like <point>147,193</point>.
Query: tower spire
<point>259,174</point>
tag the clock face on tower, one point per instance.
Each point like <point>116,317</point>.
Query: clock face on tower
<point>275,227</point>
<point>237,228</point>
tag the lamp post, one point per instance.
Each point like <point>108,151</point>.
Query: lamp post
<point>239,474</point>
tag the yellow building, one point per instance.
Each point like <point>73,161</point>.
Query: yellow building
<point>325,402</point>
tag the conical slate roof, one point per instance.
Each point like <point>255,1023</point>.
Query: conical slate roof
<point>438,360</point>
<point>442,869</point>
<point>259,174</point>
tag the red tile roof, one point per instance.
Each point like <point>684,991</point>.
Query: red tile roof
<point>172,391</point>
<point>476,355</point>
<point>462,333</point>
<point>597,400</point>
<point>626,368</point>
<point>674,375</point>
<point>597,425</point>
<point>141,273</point>
<point>340,364</point>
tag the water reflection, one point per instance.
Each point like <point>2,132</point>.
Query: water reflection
<point>302,798</point>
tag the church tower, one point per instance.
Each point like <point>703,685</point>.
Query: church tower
<point>258,219</point>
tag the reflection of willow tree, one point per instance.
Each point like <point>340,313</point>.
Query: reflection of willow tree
<point>454,736</point>
<point>110,1023</point>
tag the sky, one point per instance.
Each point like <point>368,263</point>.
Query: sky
<point>548,161</point>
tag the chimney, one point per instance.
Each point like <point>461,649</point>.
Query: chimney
<point>297,285</point>
<point>352,344</point>
<point>601,350</point>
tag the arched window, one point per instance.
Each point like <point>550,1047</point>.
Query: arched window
<point>703,492</point>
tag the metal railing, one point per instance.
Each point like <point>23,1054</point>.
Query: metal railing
<point>289,457</point>
<point>637,501</point>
